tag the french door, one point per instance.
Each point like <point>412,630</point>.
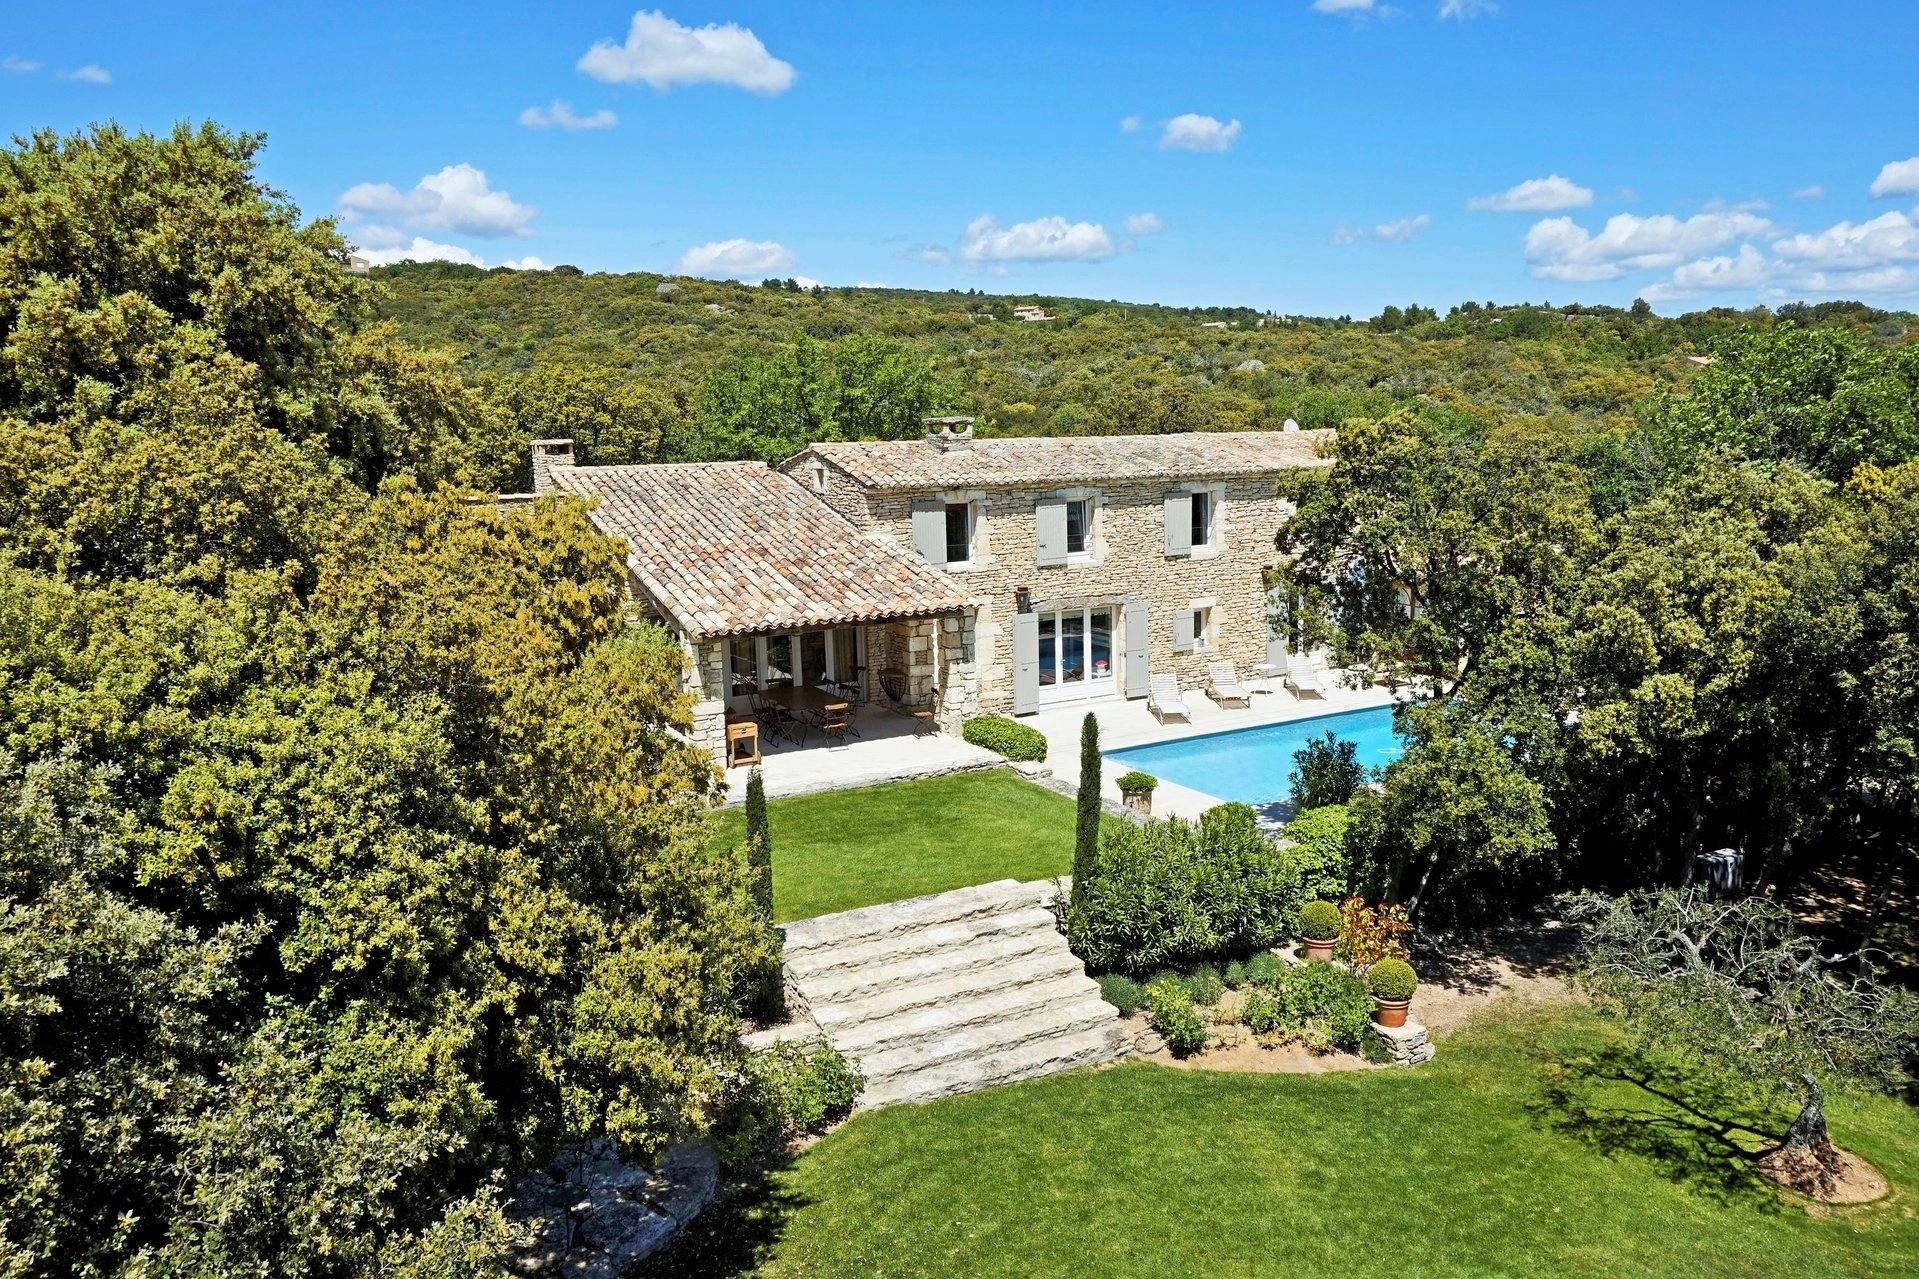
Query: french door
<point>1075,654</point>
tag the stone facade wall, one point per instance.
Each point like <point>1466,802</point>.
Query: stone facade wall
<point>1127,559</point>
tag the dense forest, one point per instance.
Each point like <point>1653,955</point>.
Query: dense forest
<point>644,367</point>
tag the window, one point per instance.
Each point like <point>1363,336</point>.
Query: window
<point>743,659</point>
<point>959,532</point>
<point>1193,628</point>
<point>1202,519</point>
<point>1202,629</point>
<point>1079,526</point>
<point>818,475</point>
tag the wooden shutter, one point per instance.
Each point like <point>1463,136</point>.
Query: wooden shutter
<point>1025,663</point>
<point>1049,528</point>
<point>1137,658</point>
<point>929,531</point>
<point>1183,630</point>
<point>1179,523</point>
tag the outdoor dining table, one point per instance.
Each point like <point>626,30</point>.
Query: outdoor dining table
<point>804,703</point>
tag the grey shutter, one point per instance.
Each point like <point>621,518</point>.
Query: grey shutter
<point>1183,631</point>
<point>1049,524</point>
<point>1136,649</point>
<point>1025,663</point>
<point>1179,523</point>
<point>929,531</point>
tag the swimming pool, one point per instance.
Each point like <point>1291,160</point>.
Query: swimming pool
<point>1251,765</point>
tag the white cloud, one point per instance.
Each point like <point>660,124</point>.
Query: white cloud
<point>420,249</point>
<point>560,115</point>
<point>1397,231</point>
<point>1402,229</point>
<point>1751,204</point>
<point>870,284</point>
<point>1812,192</point>
<point>1561,249</point>
<point>1461,10</point>
<point>1193,132</point>
<point>1747,269</point>
<point>1890,237</point>
<point>528,263</point>
<point>662,53</point>
<point>1900,177</point>
<point>90,73</point>
<point>457,198</point>
<point>24,66</point>
<point>935,254</point>
<point>1535,195</point>
<point>1144,224</point>
<point>1343,6</point>
<point>1052,239</point>
<point>736,257</point>
<point>1131,124</point>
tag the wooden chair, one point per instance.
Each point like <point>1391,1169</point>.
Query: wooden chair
<point>926,719</point>
<point>836,721</point>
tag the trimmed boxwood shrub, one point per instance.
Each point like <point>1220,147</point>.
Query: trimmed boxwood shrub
<point>1319,921</point>
<point>1123,993</point>
<point>1392,979</point>
<point>1135,782</point>
<point>1175,1017</point>
<point>1021,743</point>
<point>1173,893</point>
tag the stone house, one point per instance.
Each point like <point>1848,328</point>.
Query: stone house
<point>971,575</point>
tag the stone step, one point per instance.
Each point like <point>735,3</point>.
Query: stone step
<point>838,1018</point>
<point>947,950</point>
<point>931,1021</point>
<point>980,1040</point>
<point>849,927</point>
<point>1042,1056</point>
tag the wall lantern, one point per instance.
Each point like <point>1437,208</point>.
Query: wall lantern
<point>1023,599</point>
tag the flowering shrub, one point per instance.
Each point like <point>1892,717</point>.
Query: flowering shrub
<point>1368,934</point>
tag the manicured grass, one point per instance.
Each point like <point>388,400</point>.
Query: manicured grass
<point>1526,1149</point>
<point>842,849</point>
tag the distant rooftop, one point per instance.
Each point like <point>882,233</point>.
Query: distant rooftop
<point>1067,459</point>
<point>736,548</point>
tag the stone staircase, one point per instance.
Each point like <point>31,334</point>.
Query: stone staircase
<point>950,992</point>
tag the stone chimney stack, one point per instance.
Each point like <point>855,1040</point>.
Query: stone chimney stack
<point>948,434</point>
<point>548,454</point>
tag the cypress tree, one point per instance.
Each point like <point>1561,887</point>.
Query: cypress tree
<point>759,845</point>
<point>1086,835</point>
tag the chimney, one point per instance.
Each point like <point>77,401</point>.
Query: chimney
<point>948,434</point>
<point>548,454</point>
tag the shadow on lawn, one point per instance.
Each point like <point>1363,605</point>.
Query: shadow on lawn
<point>1621,1101</point>
<point>734,1235</point>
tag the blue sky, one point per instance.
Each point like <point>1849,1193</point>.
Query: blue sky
<point>1309,156</point>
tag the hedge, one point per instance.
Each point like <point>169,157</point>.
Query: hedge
<point>1020,743</point>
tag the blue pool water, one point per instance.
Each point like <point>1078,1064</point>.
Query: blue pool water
<point>1251,765</point>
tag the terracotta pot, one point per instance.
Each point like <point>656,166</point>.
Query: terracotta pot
<point>1140,801</point>
<point>1317,952</point>
<point>1390,1012</point>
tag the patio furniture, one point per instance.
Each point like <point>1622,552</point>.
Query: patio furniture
<point>1303,677</point>
<point>836,721</point>
<point>926,719</point>
<point>776,718</point>
<point>1163,698</point>
<point>742,740</point>
<point>1223,686</point>
<point>893,684</point>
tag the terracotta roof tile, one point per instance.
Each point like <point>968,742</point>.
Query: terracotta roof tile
<point>1067,459</point>
<point>730,548</point>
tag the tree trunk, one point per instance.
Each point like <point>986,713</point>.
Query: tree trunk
<point>1808,1131</point>
<point>1419,891</point>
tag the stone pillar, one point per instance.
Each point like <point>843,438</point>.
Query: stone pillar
<point>1406,1045</point>
<point>959,671</point>
<point>706,681</point>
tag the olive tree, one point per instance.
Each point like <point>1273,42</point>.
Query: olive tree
<point>1733,985</point>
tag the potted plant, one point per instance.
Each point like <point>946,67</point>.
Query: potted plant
<point>1318,931</point>
<point>1392,982</point>
<point>1137,790</point>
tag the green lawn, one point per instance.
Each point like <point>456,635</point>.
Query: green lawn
<point>842,849</point>
<point>1524,1150</point>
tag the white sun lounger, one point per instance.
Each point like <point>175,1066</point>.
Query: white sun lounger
<point>1223,686</point>
<point>1304,678</point>
<point>1163,699</point>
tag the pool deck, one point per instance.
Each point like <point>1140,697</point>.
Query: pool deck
<point>1125,723</point>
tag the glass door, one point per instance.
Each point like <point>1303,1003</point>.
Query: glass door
<point>1075,654</point>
